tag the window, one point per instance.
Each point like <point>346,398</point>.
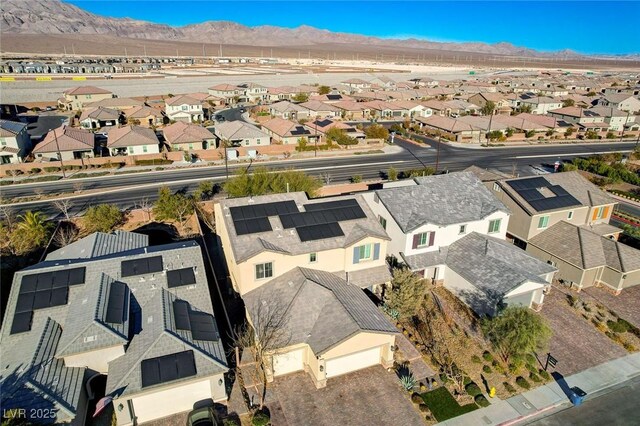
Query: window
<point>543,222</point>
<point>422,240</point>
<point>144,148</point>
<point>463,229</point>
<point>264,270</point>
<point>364,252</point>
<point>130,150</point>
<point>313,257</point>
<point>496,187</point>
<point>570,215</point>
<point>383,221</point>
<point>494,226</point>
<point>4,143</point>
<point>184,107</point>
<point>598,213</point>
<point>190,146</point>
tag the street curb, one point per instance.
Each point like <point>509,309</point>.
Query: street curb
<point>531,415</point>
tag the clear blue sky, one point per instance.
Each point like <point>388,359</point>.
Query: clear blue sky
<point>583,26</point>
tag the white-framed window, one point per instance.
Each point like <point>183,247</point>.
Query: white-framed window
<point>463,229</point>
<point>383,222</point>
<point>130,149</point>
<point>144,148</point>
<point>423,239</point>
<point>364,252</point>
<point>313,257</point>
<point>599,213</point>
<point>264,270</point>
<point>494,226</point>
<point>496,187</point>
<point>570,215</point>
<point>543,222</point>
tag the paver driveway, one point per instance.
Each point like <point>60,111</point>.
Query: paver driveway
<point>367,397</point>
<point>575,343</point>
<point>626,304</point>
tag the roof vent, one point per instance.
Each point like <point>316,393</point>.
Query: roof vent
<point>149,319</point>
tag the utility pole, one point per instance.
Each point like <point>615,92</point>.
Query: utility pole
<point>55,136</point>
<point>315,139</point>
<point>226,158</point>
<point>438,154</point>
<point>625,123</point>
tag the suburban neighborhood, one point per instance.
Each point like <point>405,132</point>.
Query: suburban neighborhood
<point>267,225</point>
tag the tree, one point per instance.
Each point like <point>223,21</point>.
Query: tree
<point>568,103</point>
<point>145,205</point>
<point>516,332</point>
<point>376,131</point>
<point>529,133</point>
<point>64,205</point>
<point>177,207</point>
<point>495,135</point>
<point>407,293</point>
<point>300,97</point>
<point>204,191</point>
<point>323,90</point>
<point>488,108</point>
<point>525,108</point>
<point>102,218</point>
<point>66,234</point>
<point>31,232</point>
<point>302,144</point>
<point>264,336</point>
<point>340,137</point>
<point>568,132</point>
<point>263,182</point>
<point>392,174</point>
<point>509,132</point>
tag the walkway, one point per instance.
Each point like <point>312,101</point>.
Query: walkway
<point>550,397</point>
<point>417,366</point>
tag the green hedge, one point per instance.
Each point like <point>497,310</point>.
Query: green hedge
<point>481,401</point>
<point>523,383</point>
<point>157,162</point>
<point>473,389</point>
<point>443,405</point>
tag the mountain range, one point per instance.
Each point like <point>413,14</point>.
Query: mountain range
<point>58,17</point>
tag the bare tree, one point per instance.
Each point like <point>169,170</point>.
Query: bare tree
<point>66,234</point>
<point>78,187</point>
<point>266,334</point>
<point>39,192</point>
<point>326,178</point>
<point>8,215</point>
<point>207,218</point>
<point>64,205</point>
<point>146,206</point>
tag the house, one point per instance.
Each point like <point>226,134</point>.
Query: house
<point>552,90</point>
<point>76,98</point>
<point>356,83</point>
<point>264,237</point>
<point>15,142</point>
<point>485,123</point>
<point>543,121</point>
<point>351,110</point>
<point>252,92</point>
<point>323,126</point>
<point>334,327</point>
<point>332,98</point>
<point>132,140</point>
<point>386,110</point>
<point>116,103</point>
<point>539,104</point>
<point>413,109</point>
<point>228,92</point>
<point>96,118</point>
<point>451,128</point>
<point>184,108</point>
<point>585,258</point>
<point>144,116</point>
<point>321,109</point>
<point>287,132</point>
<point>288,110</point>
<point>384,81</point>
<point>615,119</point>
<point>621,101</point>
<point>451,229</point>
<point>110,304</point>
<point>538,203</point>
<point>501,101</point>
<point>65,143</point>
<point>520,122</point>
<point>239,133</point>
<point>187,137</point>
<point>584,119</point>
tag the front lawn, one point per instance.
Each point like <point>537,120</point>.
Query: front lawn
<point>443,405</point>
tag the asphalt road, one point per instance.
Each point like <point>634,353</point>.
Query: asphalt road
<point>617,408</point>
<point>113,189</point>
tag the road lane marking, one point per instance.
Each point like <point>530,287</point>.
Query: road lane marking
<point>568,154</point>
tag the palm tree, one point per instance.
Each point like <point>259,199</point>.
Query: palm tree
<point>34,227</point>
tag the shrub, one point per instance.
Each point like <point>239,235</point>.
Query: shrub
<point>620,326</point>
<point>610,135</point>
<point>473,389</point>
<point>356,178</point>
<point>423,407</point>
<point>532,368</point>
<point>486,369</point>
<point>51,169</point>
<point>523,383</point>
<point>230,422</point>
<point>466,380</point>
<point>408,382</point>
<point>443,378</point>
<point>102,217</point>
<point>530,359</point>
<point>487,356</point>
<point>481,401</point>
<point>544,374</point>
<point>509,387</point>
<point>476,359</point>
<point>152,162</point>
<point>533,376</point>
<point>417,399</point>
<point>628,346</point>
<point>260,418</point>
<point>35,170</point>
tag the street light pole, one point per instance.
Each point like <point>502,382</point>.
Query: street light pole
<point>226,158</point>
<point>55,137</point>
<point>438,154</point>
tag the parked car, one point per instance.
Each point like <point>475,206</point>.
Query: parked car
<point>205,416</point>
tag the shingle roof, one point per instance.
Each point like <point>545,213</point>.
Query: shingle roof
<point>286,106</point>
<point>142,111</point>
<point>100,244</point>
<point>585,249</point>
<point>322,309</point>
<point>182,100</point>
<point>234,130</point>
<point>131,136</point>
<point>100,113</point>
<point>10,128</point>
<point>441,200</point>
<point>117,103</point>
<point>180,132</point>
<point>68,139</point>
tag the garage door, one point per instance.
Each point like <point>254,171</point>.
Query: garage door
<point>353,362</point>
<point>288,363</point>
<point>170,401</point>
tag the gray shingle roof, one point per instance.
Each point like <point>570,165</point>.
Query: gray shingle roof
<point>365,278</point>
<point>323,310</point>
<point>441,200</point>
<point>287,240</point>
<point>100,244</point>
<point>426,260</point>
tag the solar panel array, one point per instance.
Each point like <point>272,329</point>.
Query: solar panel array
<point>528,189</point>
<point>167,368</point>
<point>43,290</point>
<point>334,97</point>
<point>142,266</point>
<point>201,324</point>
<point>180,277</point>
<point>255,218</point>
<point>300,130</point>
<point>319,232</point>
<point>322,123</point>
<point>117,303</point>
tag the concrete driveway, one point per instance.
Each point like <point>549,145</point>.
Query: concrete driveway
<point>367,397</point>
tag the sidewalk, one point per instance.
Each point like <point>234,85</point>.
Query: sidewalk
<point>551,396</point>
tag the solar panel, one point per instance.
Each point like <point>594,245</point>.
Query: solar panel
<point>154,264</point>
<point>319,232</point>
<point>529,190</point>
<point>29,283</point>
<point>116,303</point>
<point>180,277</point>
<point>349,202</point>
<point>299,130</point>
<point>262,210</point>
<point>167,368</point>
<point>59,296</point>
<point>21,322</point>
<point>181,315</point>
<point>45,281</point>
<point>142,266</point>
<point>25,302</point>
<point>42,299</point>
<point>77,276</point>
<point>61,278</point>
<point>530,183</point>
<point>334,97</point>
<point>327,213</point>
<point>252,226</point>
<point>203,326</point>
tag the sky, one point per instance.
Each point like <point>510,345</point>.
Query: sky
<point>607,27</point>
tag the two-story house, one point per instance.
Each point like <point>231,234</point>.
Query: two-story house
<point>184,108</point>
<point>583,119</point>
<point>132,140</point>
<point>228,92</point>
<point>539,104</point>
<point>621,101</point>
<point>252,92</point>
<point>310,260</point>
<point>96,118</point>
<point>15,142</point>
<point>76,98</point>
<point>288,110</point>
<point>451,230</point>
